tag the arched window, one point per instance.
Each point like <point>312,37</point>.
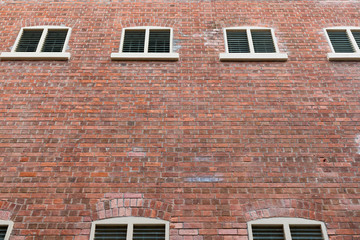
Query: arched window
<point>146,43</point>
<point>39,43</point>
<point>286,229</point>
<point>130,228</point>
<point>344,43</point>
<point>251,44</point>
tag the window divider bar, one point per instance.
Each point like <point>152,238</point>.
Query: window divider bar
<point>287,232</point>
<point>130,229</point>
<point>147,36</point>
<point>42,40</point>
<point>249,37</point>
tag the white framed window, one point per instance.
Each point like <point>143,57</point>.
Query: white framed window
<point>286,229</point>
<point>146,43</point>
<point>40,43</point>
<point>130,228</point>
<point>5,229</point>
<point>251,44</point>
<point>344,43</point>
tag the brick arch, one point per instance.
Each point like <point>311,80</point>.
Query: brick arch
<point>152,21</point>
<point>283,208</point>
<point>135,205</point>
<point>8,210</point>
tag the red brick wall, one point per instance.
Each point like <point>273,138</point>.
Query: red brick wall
<point>204,144</point>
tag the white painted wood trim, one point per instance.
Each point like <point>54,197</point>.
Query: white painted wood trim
<point>145,56</point>
<point>343,56</point>
<point>35,56</point>
<point>253,57</point>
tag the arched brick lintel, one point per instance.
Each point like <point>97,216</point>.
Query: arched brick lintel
<point>135,205</point>
<point>283,208</point>
<point>8,210</point>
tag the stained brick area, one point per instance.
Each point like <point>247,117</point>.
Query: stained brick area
<point>215,144</point>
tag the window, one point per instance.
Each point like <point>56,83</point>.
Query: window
<point>286,229</point>
<point>5,229</point>
<point>146,43</point>
<point>40,43</point>
<point>344,42</point>
<point>251,44</point>
<point>130,228</point>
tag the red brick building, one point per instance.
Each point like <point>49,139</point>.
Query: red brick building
<point>214,135</point>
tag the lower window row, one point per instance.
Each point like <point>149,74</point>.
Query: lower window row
<point>138,228</point>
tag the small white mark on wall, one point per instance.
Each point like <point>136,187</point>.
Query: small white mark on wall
<point>357,140</point>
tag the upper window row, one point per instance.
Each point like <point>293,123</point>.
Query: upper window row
<point>156,43</point>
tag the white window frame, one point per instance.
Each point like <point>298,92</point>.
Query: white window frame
<point>334,56</point>
<point>130,222</point>
<point>170,56</point>
<point>38,55</point>
<point>252,56</point>
<point>9,225</point>
<point>286,222</point>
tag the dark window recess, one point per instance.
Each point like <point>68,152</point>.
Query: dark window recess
<point>29,41</point>
<point>306,233</point>
<point>237,41</point>
<point>110,232</point>
<point>3,230</point>
<point>356,35</point>
<point>268,232</point>
<point>151,232</point>
<point>159,41</point>
<point>263,41</point>
<point>340,41</point>
<point>134,41</point>
<point>54,41</point>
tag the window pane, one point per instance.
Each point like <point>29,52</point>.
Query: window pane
<point>268,232</point>
<point>110,232</point>
<point>151,232</point>
<point>340,41</point>
<point>55,40</point>
<point>29,41</point>
<point>134,41</point>
<point>237,41</point>
<point>356,35</point>
<point>3,230</point>
<point>306,233</point>
<point>159,41</point>
<point>263,41</point>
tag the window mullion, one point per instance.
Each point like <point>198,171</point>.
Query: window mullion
<point>353,41</point>
<point>147,36</point>
<point>287,232</point>
<point>130,230</point>
<point>251,45</point>
<point>42,40</point>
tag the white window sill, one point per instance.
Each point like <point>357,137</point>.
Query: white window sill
<point>145,56</point>
<point>253,56</point>
<point>343,56</point>
<point>34,56</point>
